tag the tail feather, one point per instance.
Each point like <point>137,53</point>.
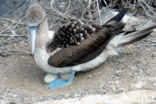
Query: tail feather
<point>118,17</point>
<point>116,23</point>
<point>123,39</point>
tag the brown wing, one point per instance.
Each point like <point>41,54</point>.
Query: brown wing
<point>70,35</point>
<point>87,49</point>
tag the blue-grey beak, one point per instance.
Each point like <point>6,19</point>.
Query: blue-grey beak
<point>33,34</point>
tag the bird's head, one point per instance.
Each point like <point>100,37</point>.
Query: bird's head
<point>35,16</point>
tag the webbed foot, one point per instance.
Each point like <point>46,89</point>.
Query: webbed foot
<point>59,82</point>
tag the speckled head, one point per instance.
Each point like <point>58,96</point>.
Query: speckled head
<point>35,16</point>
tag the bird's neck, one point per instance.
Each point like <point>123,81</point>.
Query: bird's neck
<point>42,35</point>
<point>42,39</point>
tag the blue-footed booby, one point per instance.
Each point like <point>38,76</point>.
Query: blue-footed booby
<point>76,46</point>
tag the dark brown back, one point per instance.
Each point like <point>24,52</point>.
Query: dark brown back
<point>88,49</point>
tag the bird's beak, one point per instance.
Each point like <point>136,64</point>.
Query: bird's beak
<point>33,35</point>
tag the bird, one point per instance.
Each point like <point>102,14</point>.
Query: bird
<point>75,46</point>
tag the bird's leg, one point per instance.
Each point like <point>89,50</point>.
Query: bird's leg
<point>60,82</point>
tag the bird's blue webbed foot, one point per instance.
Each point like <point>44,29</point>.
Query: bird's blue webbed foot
<point>60,82</point>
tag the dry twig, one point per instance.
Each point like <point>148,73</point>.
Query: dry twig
<point>98,11</point>
<point>69,2</point>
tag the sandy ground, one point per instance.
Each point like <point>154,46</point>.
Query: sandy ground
<point>21,81</point>
<point>129,97</point>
